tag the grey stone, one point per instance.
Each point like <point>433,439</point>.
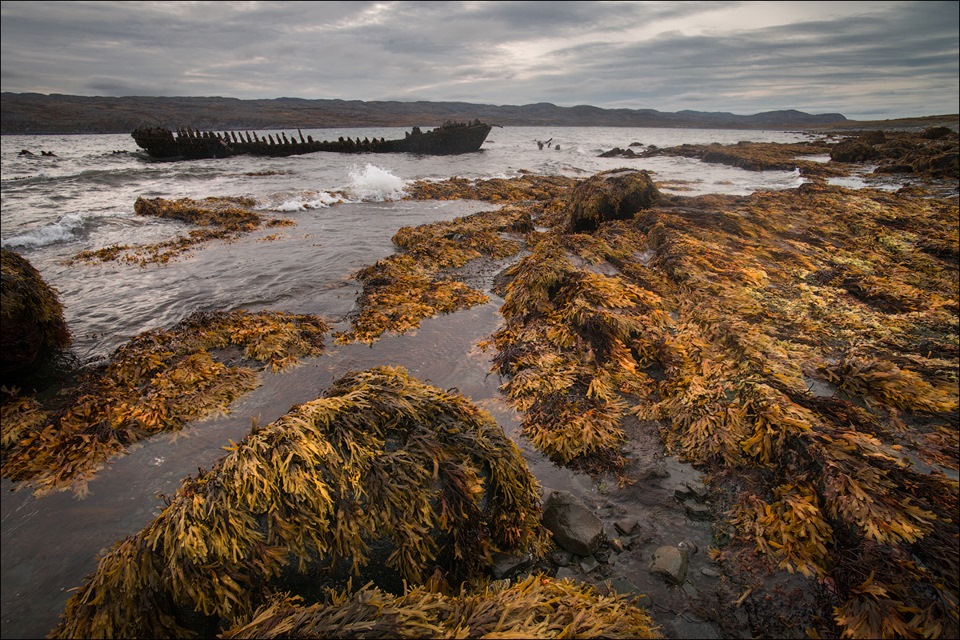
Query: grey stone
<point>626,527</point>
<point>621,585</point>
<point>699,490</point>
<point>561,558</point>
<point>689,545</point>
<point>691,490</point>
<point>505,564</point>
<point>694,628</point>
<point>588,564</point>
<point>566,573</point>
<point>710,573</point>
<point>696,511</point>
<point>574,527</point>
<point>654,472</point>
<point>670,563</point>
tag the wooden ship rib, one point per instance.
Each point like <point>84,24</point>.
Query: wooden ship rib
<point>451,138</point>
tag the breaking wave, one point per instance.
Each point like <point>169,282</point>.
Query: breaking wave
<point>373,184</point>
<point>66,229</point>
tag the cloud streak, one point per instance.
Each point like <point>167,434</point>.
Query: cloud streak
<point>867,60</point>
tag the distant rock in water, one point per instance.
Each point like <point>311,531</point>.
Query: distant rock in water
<point>31,312</point>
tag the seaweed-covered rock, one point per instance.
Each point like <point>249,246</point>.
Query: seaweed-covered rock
<point>217,218</point>
<point>537,607</point>
<point>381,459</point>
<point>945,165</point>
<point>31,313</point>
<point>610,195</point>
<point>853,151</point>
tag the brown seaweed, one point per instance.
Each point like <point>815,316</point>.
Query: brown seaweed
<point>157,382</point>
<point>219,218</point>
<point>380,457</point>
<point>536,607</point>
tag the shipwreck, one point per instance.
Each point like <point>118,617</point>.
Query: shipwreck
<point>451,138</point>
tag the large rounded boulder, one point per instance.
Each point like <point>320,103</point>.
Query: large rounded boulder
<point>610,195</point>
<point>382,463</point>
<point>31,312</point>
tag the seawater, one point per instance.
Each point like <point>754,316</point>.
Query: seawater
<point>346,209</point>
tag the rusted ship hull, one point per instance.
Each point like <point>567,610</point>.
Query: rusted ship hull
<point>188,144</point>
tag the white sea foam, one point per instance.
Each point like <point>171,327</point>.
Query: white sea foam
<point>65,229</point>
<point>309,201</point>
<point>858,182</point>
<point>373,184</point>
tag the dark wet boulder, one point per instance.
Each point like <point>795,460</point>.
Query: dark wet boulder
<point>617,152</point>
<point>852,151</point>
<point>574,527</point>
<point>31,312</point>
<point>935,133</point>
<point>610,195</point>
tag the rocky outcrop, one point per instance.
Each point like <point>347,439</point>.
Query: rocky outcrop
<point>852,151</point>
<point>934,152</point>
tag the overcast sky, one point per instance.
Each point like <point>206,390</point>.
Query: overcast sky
<point>866,60</point>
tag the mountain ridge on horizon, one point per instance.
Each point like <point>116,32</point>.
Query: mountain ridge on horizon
<point>35,113</point>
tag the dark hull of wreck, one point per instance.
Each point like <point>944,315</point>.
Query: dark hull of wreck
<point>188,144</point>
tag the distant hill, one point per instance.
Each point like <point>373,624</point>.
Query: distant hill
<point>35,113</point>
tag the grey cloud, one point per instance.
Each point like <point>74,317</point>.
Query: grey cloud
<point>452,51</point>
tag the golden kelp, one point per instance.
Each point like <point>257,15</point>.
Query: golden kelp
<point>221,218</point>
<point>158,381</point>
<point>398,293</point>
<point>380,458</point>
<point>568,350</point>
<point>31,313</point>
<point>577,335</point>
<point>521,188</point>
<point>725,318</point>
<point>765,313</point>
<point>18,416</point>
<point>401,290</point>
<point>537,607</point>
<point>931,156</point>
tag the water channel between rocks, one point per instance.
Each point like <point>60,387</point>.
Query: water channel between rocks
<point>50,544</point>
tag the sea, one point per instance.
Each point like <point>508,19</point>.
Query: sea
<point>346,209</point>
